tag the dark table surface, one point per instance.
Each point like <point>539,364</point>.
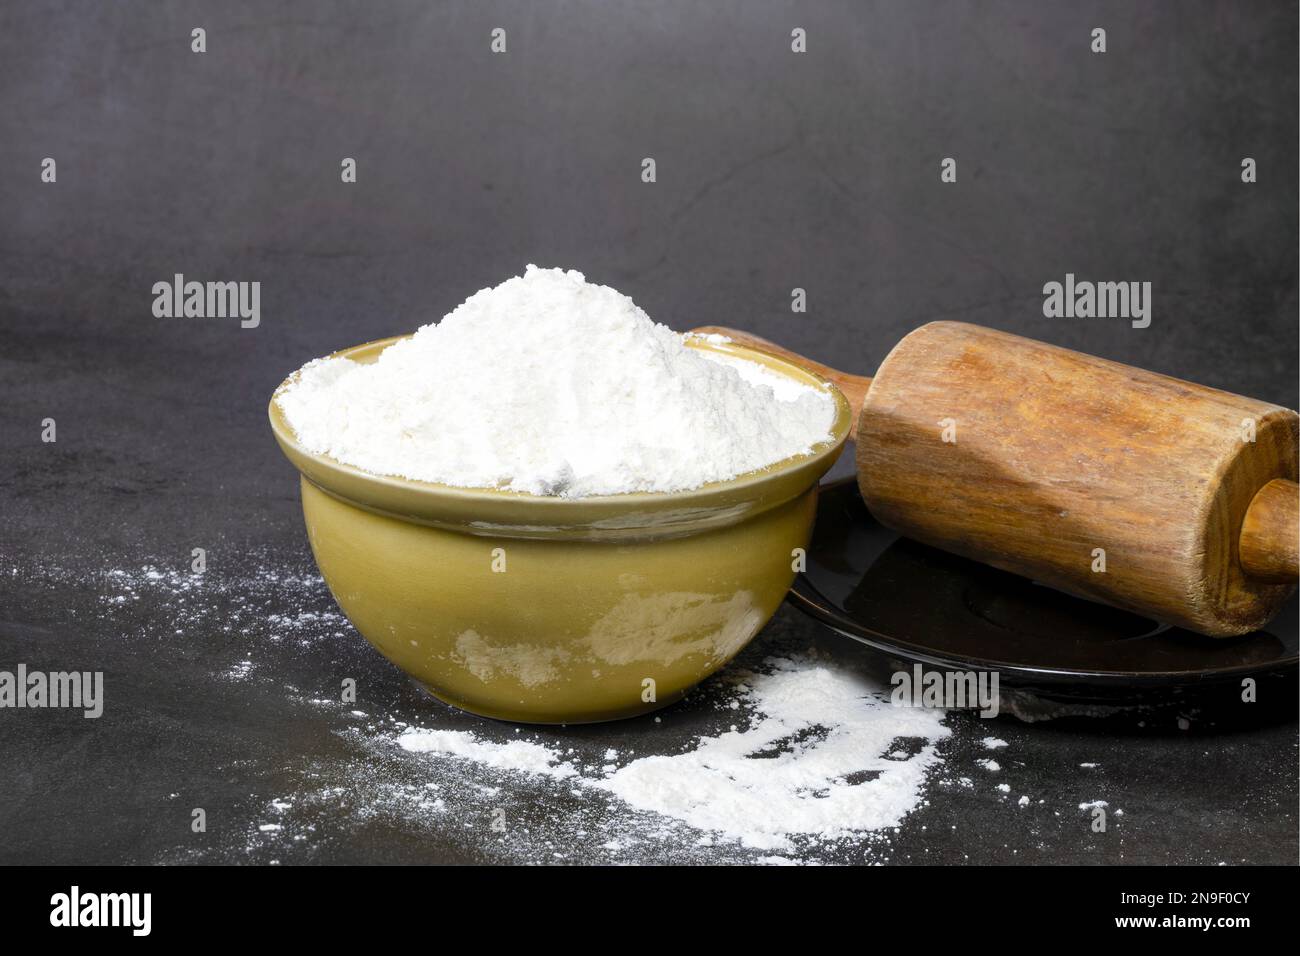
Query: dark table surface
<point>775,170</point>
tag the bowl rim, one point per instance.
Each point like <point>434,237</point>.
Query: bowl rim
<point>422,500</point>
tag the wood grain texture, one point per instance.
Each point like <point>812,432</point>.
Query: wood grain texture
<point>1270,532</point>
<point>1058,454</point>
<point>854,387</point>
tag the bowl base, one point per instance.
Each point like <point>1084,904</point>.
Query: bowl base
<point>556,719</point>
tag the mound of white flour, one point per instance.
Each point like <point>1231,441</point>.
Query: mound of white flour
<point>549,385</point>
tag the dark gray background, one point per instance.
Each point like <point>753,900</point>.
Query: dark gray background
<point>775,170</point>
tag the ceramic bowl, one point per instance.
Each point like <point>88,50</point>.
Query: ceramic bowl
<point>554,610</point>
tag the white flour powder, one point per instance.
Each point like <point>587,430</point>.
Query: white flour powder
<point>823,759</point>
<point>824,756</point>
<point>790,755</point>
<point>550,385</point>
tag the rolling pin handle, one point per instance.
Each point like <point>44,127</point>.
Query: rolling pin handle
<point>1270,532</point>
<point>854,387</point>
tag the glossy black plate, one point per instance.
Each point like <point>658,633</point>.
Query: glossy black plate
<point>916,604</point>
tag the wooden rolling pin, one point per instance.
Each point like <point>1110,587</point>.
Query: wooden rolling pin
<point>1156,495</point>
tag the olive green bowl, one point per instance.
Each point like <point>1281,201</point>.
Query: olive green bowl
<point>555,610</point>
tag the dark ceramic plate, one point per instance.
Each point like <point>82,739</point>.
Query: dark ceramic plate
<point>916,604</point>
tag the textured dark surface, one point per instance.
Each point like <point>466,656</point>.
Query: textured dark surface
<point>775,170</point>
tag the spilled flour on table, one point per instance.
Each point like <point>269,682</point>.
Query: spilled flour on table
<point>824,756</point>
<point>520,755</point>
<point>788,755</point>
<point>819,758</point>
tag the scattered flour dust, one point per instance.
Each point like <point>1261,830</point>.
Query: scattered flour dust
<point>515,755</point>
<point>819,760</point>
<point>550,385</point>
<point>789,755</point>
